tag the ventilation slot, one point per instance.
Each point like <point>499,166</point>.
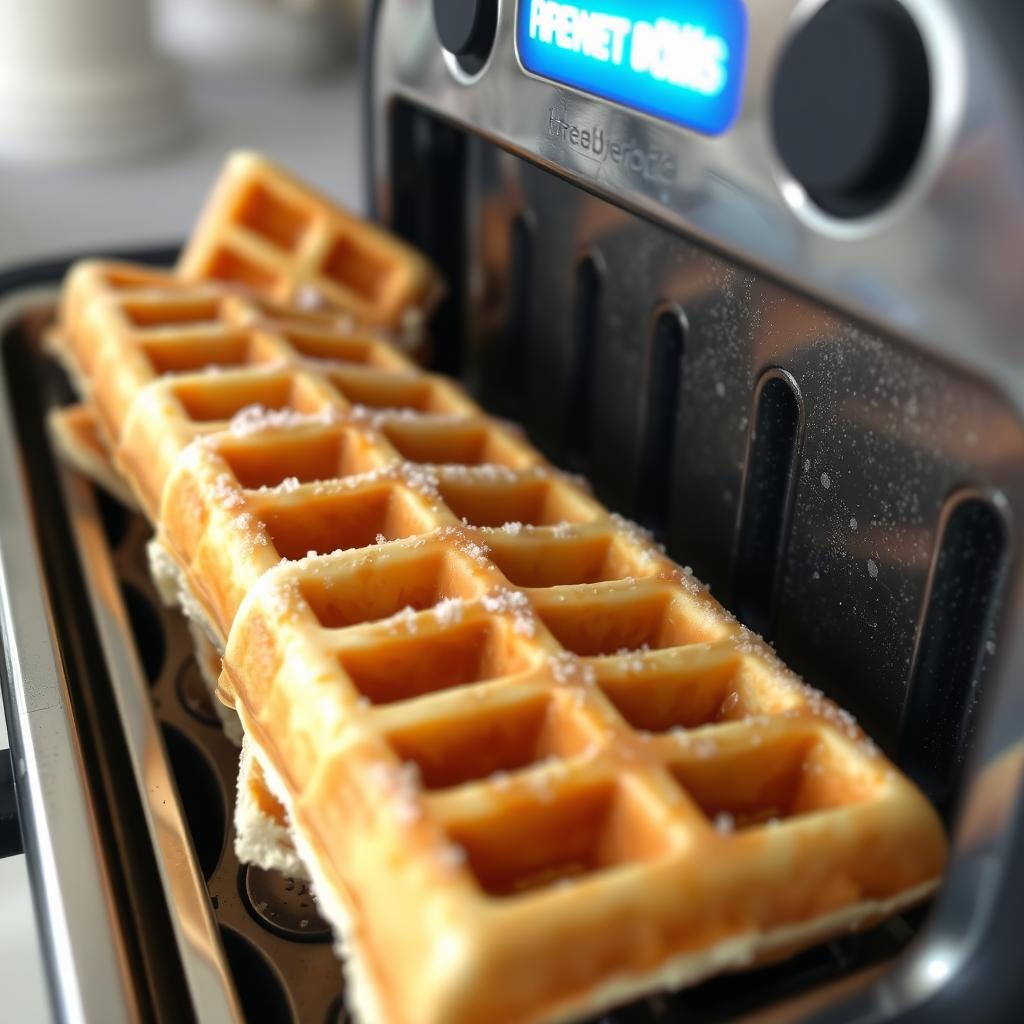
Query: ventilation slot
<point>664,377</point>
<point>957,625</point>
<point>581,363</point>
<point>767,499</point>
<point>511,386</point>
<point>428,203</point>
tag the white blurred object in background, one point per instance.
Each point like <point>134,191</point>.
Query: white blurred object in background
<point>247,39</point>
<point>83,80</point>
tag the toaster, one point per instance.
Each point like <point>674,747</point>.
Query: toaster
<point>751,268</point>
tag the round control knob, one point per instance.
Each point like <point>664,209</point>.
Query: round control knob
<point>851,102</point>
<point>466,29</point>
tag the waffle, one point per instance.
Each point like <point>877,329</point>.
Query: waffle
<point>278,486</point>
<point>170,413</point>
<point>111,305</point>
<point>90,280</point>
<point>269,232</point>
<point>590,785</point>
<point>77,438</point>
<point>262,833</point>
<point>531,766</point>
<point>164,367</point>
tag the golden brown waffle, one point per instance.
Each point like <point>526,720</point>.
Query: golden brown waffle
<point>165,416</point>
<point>273,487</point>
<point>271,233</point>
<point>581,791</point>
<point>89,280</point>
<point>139,304</point>
<point>183,334</point>
<point>77,437</point>
<point>70,338</point>
<point>161,366</point>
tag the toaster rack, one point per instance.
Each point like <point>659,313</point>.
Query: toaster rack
<point>277,949</point>
<point>204,937</point>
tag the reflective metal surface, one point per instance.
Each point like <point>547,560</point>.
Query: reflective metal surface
<point>250,944</point>
<point>938,266</point>
<point>74,901</point>
<point>195,929</point>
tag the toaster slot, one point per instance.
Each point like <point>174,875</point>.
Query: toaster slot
<point>586,322</point>
<point>429,159</point>
<point>767,500</point>
<point>511,386</point>
<point>956,637</point>
<point>660,412</point>
<point>503,370</point>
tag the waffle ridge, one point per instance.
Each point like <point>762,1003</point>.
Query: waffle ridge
<point>474,690</point>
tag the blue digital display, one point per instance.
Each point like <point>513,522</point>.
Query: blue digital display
<point>681,60</point>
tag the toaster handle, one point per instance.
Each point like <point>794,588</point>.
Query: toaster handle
<point>10,829</point>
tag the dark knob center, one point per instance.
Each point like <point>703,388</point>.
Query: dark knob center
<point>851,103</point>
<point>466,27</point>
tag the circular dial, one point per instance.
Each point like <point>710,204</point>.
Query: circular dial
<point>466,29</point>
<point>850,105</point>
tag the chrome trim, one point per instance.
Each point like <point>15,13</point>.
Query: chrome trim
<point>195,930</point>
<point>88,972</point>
<point>74,905</point>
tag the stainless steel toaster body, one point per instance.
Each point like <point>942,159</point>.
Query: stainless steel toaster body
<point>817,406</point>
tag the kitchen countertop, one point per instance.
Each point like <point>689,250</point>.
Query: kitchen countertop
<point>46,212</point>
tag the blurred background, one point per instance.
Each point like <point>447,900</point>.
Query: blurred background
<point>115,116</point>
